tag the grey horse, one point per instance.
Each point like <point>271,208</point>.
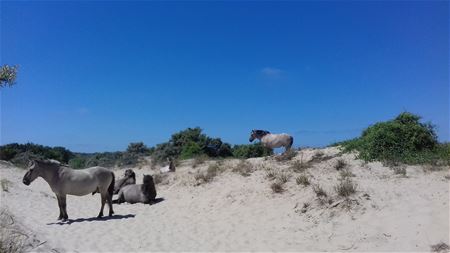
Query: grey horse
<point>64,180</point>
<point>129,178</point>
<point>138,193</point>
<point>272,140</point>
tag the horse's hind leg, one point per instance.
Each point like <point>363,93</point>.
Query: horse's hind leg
<point>61,216</point>
<point>103,197</point>
<point>62,207</point>
<point>110,204</point>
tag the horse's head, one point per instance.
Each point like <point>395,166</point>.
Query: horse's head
<point>129,173</point>
<point>148,179</point>
<point>257,134</point>
<point>32,173</point>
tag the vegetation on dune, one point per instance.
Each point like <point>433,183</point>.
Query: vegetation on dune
<point>8,75</point>
<point>251,150</point>
<point>190,143</point>
<point>402,140</point>
<point>20,154</point>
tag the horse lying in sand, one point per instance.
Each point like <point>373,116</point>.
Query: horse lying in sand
<point>138,193</point>
<point>64,180</point>
<point>129,178</point>
<point>269,140</point>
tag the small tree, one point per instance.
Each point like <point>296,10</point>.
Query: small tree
<point>8,75</point>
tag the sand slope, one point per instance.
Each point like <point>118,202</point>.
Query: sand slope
<point>389,212</point>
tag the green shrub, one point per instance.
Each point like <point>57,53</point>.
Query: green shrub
<point>403,139</point>
<point>251,150</point>
<point>78,163</point>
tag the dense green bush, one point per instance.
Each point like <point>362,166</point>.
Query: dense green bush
<point>138,148</point>
<point>251,150</point>
<point>190,143</point>
<point>21,153</point>
<point>403,139</point>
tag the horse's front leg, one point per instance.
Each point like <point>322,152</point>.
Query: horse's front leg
<point>61,216</point>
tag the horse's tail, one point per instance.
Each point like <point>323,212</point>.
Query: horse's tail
<point>111,186</point>
<point>291,141</point>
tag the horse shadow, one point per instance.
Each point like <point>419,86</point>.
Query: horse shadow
<point>105,218</point>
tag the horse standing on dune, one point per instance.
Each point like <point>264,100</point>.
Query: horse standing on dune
<point>269,140</point>
<point>64,180</point>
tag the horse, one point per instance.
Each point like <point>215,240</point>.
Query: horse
<point>64,180</point>
<point>269,140</point>
<point>138,193</point>
<point>129,178</point>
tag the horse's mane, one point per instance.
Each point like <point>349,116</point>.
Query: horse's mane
<point>148,187</point>
<point>262,132</point>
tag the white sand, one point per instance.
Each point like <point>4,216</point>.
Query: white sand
<point>236,213</point>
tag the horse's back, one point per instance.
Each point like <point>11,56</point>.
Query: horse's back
<point>85,181</point>
<point>132,193</point>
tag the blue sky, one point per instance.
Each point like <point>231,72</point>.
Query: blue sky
<point>95,76</point>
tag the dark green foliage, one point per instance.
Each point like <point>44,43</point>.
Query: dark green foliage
<point>251,150</point>
<point>138,148</point>
<point>190,143</point>
<point>21,153</point>
<point>78,163</point>
<point>8,75</point>
<point>403,139</point>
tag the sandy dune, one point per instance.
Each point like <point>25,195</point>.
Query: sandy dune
<point>389,212</point>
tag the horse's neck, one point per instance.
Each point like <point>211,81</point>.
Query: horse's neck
<point>50,174</point>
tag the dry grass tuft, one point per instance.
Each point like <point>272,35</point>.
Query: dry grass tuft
<point>345,188</point>
<point>286,156</point>
<point>299,166</point>
<point>440,247</point>
<point>400,170</point>
<point>5,184</point>
<point>206,177</point>
<point>303,180</point>
<point>244,168</point>
<point>11,239</point>
<point>271,174</point>
<point>340,164</point>
<point>160,178</point>
<point>277,187</point>
<point>319,191</point>
<point>345,173</point>
<point>199,160</point>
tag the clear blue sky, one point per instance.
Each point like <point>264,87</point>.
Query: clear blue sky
<point>95,76</point>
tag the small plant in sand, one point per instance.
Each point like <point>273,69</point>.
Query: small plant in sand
<point>199,160</point>
<point>299,166</point>
<point>305,207</point>
<point>11,239</point>
<point>160,178</point>
<point>400,170</point>
<point>277,187</point>
<point>319,191</point>
<point>302,180</point>
<point>206,177</point>
<point>271,174</point>
<point>340,164</point>
<point>5,184</point>
<point>244,168</point>
<point>440,247</point>
<point>345,188</point>
<point>286,156</point>
<point>345,173</point>
<point>283,177</point>
<point>432,168</point>
<point>319,157</point>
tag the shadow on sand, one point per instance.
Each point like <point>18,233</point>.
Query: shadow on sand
<point>104,218</point>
